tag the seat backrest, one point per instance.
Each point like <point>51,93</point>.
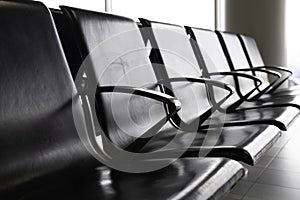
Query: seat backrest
<point>211,50</point>
<point>215,59</point>
<point>232,45</point>
<point>236,54</point>
<point>67,40</point>
<point>37,131</point>
<point>251,48</point>
<point>178,60</point>
<point>113,50</point>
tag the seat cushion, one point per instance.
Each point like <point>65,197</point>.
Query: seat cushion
<point>37,131</point>
<point>246,143</point>
<point>184,179</point>
<point>41,154</point>
<point>281,115</point>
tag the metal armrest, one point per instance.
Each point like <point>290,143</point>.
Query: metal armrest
<point>201,80</point>
<point>274,68</point>
<point>171,101</point>
<point>173,107</point>
<point>216,105</point>
<point>276,74</point>
<point>256,79</point>
<point>280,80</point>
<point>269,87</point>
<point>245,97</point>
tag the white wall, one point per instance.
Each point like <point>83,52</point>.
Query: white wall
<point>199,13</point>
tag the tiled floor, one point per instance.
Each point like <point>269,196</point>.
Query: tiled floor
<point>277,175</point>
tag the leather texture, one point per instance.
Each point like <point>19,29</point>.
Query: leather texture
<point>208,178</point>
<point>216,61</point>
<point>41,154</point>
<point>236,54</point>
<point>179,61</point>
<point>256,60</point>
<point>115,49</point>
<point>87,24</point>
<point>253,51</point>
<point>173,42</point>
<point>243,144</point>
<point>38,135</point>
<point>212,48</point>
<point>67,40</point>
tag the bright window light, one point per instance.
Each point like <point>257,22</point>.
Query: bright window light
<point>95,5</point>
<point>292,35</point>
<point>199,13</point>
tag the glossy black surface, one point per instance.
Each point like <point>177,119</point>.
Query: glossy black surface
<point>215,59</point>
<point>173,41</point>
<point>184,179</point>
<point>238,49</point>
<point>37,132</point>
<point>255,58</point>
<point>88,24</point>
<point>116,49</point>
<point>246,144</point>
<point>67,40</point>
<point>237,58</point>
<point>42,156</point>
<point>252,52</point>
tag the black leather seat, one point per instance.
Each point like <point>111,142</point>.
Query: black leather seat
<point>184,179</point>
<point>172,38</point>
<point>42,155</point>
<point>237,61</point>
<point>255,60</point>
<point>208,42</point>
<point>67,40</point>
<point>214,142</point>
<point>38,135</point>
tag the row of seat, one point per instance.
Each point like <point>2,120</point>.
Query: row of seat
<point>175,66</point>
<point>163,100</point>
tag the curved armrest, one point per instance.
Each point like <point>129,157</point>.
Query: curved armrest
<point>173,107</point>
<point>171,101</point>
<point>278,75</point>
<point>274,68</point>
<point>273,84</point>
<point>216,105</point>
<point>201,80</point>
<point>245,97</point>
<point>256,79</point>
<point>280,80</point>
